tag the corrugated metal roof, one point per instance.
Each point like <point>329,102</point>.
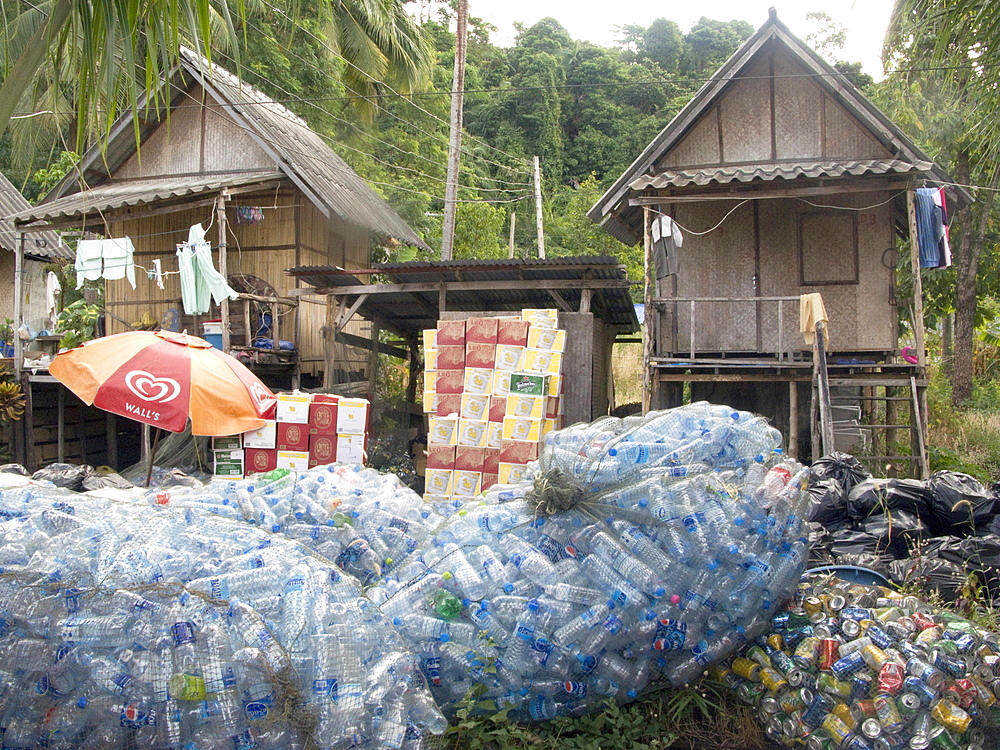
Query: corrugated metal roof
<point>414,310</point>
<point>771,171</point>
<point>45,244</point>
<point>114,195</point>
<point>310,162</point>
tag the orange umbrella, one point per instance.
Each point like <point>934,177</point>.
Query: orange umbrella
<point>163,378</point>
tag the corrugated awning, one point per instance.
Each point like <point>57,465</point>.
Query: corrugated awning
<point>771,171</point>
<point>127,193</point>
<point>407,295</point>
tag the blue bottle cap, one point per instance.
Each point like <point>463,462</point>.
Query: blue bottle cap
<point>444,638</point>
<point>632,694</point>
<point>397,621</point>
<point>508,587</point>
<point>658,592</point>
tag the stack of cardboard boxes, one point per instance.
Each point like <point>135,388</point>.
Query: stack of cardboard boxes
<point>492,391</point>
<point>309,429</point>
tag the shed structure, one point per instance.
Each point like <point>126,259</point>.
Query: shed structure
<point>590,292</point>
<point>785,180</point>
<point>271,193</point>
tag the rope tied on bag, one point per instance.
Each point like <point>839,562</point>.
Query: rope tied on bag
<point>553,492</point>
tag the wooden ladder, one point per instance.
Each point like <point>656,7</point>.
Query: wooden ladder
<point>876,416</point>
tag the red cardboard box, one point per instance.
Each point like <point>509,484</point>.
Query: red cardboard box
<point>481,331</point>
<point>498,408</point>
<point>452,333</point>
<point>513,332</point>
<point>488,481</point>
<point>468,458</point>
<point>450,382</point>
<point>480,355</point>
<point>259,460</point>
<point>323,414</point>
<point>322,450</point>
<point>449,404</point>
<point>441,456</point>
<point>518,451</point>
<point>552,407</point>
<point>451,358</point>
<point>491,461</point>
<point>293,437</point>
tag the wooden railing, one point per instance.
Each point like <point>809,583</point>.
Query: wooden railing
<point>669,341</point>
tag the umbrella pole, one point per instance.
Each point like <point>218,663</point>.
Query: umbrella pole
<point>152,455</point>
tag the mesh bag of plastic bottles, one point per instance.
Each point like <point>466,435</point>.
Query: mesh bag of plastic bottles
<point>131,619</point>
<point>641,548</point>
<point>860,667</point>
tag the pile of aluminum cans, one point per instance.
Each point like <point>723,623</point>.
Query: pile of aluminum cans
<point>852,667</point>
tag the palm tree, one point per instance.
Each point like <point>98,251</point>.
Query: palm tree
<point>96,58</point>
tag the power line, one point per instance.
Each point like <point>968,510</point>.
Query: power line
<point>365,73</point>
<point>387,143</point>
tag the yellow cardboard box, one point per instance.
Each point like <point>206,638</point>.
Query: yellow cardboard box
<point>530,407</point>
<point>472,432</point>
<point>553,339</point>
<point>439,481</point>
<point>522,428</point>
<point>443,431</point>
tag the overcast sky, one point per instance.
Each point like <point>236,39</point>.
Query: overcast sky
<point>593,21</point>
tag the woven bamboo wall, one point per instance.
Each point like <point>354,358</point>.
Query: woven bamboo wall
<point>755,122</point>
<point>193,140</point>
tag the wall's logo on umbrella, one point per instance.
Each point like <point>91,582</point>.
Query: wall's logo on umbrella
<point>261,395</point>
<point>148,387</point>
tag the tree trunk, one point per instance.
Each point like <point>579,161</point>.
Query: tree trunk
<point>968,251</point>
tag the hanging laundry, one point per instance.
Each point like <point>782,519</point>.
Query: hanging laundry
<point>941,201</point>
<point>932,229</point>
<point>109,258</point>
<point>667,239</point>
<point>157,273</point>
<point>811,311</point>
<point>248,215</point>
<point>200,280</point>
<point>52,291</point>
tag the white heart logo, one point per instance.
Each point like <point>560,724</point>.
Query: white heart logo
<point>259,393</point>
<point>148,387</point>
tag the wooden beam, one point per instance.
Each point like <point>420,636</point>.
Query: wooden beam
<point>764,194</point>
<point>220,217</point>
<point>466,286</point>
<point>585,297</point>
<point>362,343</point>
<point>560,301</point>
<point>648,351</point>
<point>345,316</point>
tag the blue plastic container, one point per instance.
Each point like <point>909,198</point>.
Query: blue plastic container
<point>854,574</point>
<point>215,339</point>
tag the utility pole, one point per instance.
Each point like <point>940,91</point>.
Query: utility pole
<point>455,129</point>
<point>538,207</point>
<point>510,234</point>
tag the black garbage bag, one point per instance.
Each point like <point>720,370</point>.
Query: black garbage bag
<point>876,496</point>
<point>101,480</point>
<point>820,545</point>
<point>13,469</point>
<point>929,574</point>
<point>843,467</point>
<point>64,475</point>
<point>828,504</point>
<point>853,542</point>
<point>960,504</point>
<point>896,530</point>
<point>978,554</point>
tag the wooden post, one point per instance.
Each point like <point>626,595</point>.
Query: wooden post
<point>823,381</point>
<point>18,306</point>
<point>61,423</point>
<point>918,287</point>
<point>373,363</point>
<point>647,364</point>
<point>455,134</point>
<point>793,419</point>
<point>510,234</point>
<point>111,434</point>
<point>538,207</point>
<point>220,218</point>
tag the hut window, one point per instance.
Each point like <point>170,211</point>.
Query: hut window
<point>828,248</point>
